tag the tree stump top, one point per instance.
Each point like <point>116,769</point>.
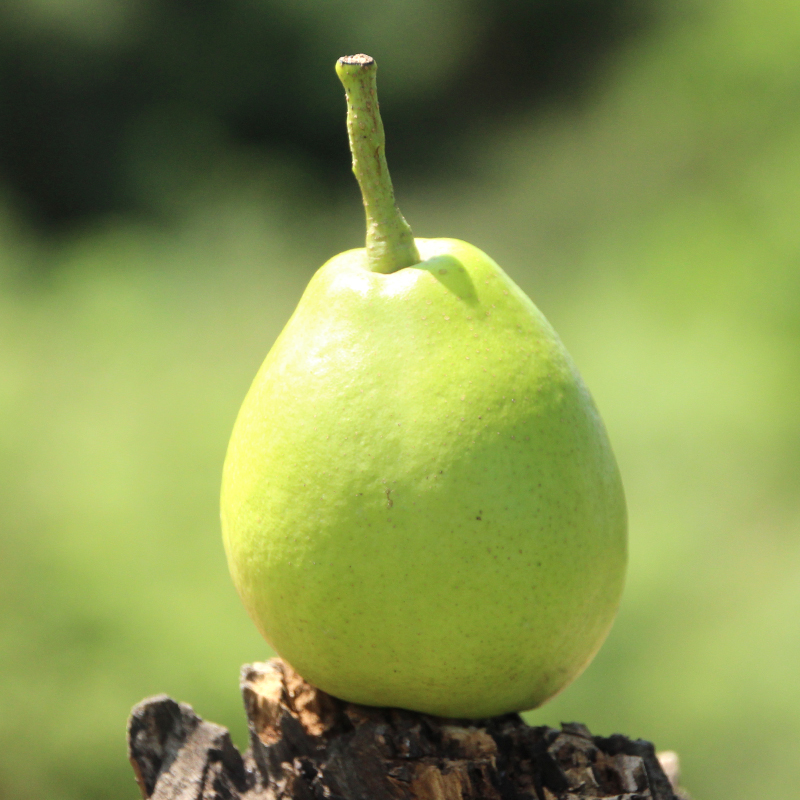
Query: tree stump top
<point>307,745</point>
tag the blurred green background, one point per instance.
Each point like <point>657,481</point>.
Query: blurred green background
<point>171,175</point>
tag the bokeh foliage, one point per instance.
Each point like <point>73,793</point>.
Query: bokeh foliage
<point>655,223</point>
<point>111,105</point>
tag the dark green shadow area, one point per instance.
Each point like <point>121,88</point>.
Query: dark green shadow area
<point>453,275</point>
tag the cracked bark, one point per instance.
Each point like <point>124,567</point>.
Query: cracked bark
<point>307,745</point>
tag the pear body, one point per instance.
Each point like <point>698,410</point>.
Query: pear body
<point>420,505</point>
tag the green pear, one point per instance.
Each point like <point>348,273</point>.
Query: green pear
<point>420,505</point>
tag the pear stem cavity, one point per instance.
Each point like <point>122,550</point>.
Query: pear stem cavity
<point>390,242</point>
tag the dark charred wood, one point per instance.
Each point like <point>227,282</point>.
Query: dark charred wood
<point>307,745</point>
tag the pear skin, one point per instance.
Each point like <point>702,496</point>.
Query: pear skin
<point>420,504</point>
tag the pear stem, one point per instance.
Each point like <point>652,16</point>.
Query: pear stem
<point>390,242</point>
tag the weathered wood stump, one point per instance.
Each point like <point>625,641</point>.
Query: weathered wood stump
<point>307,745</point>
